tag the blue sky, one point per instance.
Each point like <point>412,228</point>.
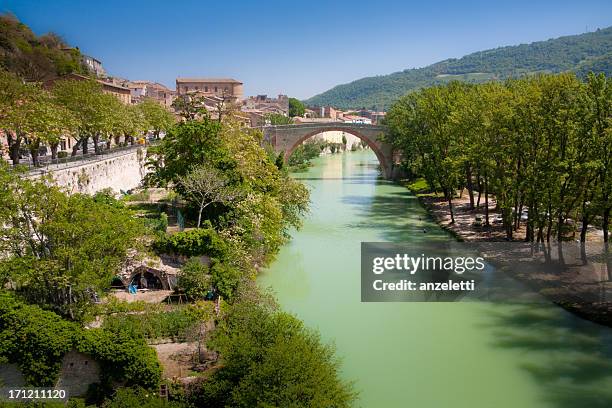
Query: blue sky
<point>298,48</point>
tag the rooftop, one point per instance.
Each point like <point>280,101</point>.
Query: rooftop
<point>213,80</point>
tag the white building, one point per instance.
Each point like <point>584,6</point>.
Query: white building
<point>356,119</point>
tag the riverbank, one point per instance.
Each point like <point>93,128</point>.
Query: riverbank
<point>582,293</point>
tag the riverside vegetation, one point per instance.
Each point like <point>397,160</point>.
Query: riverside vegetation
<point>62,252</point>
<point>541,145</point>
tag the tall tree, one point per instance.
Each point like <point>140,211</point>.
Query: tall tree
<point>205,185</point>
<point>158,118</point>
<point>89,106</point>
<point>296,107</point>
<point>19,102</point>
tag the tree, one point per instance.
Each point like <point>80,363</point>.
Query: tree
<point>35,58</point>
<point>93,109</point>
<point>110,115</point>
<point>194,279</point>
<point>190,107</point>
<point>266,203</point>
<point>49,122</point>
<point>271,359</point>
<point>158,118</point>
<point>205,185</point>
<point>296,108</point>
<point>31,116</point>
<point>277,119</point>
<point>19,102</point>
<point>539,145</point>
<point>131,122</point>
<point>224,105</point>
<point>61,251</point>
<point>184,146</point>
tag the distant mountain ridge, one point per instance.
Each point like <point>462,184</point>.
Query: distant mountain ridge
<point>580,53</point>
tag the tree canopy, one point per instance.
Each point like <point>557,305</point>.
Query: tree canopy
<point>271,359</point>
<point>540,145</point>
<point>296,107</point>
<point>62,250</point>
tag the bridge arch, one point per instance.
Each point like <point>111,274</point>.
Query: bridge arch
<point>377,151</point>
<point>286,138</point>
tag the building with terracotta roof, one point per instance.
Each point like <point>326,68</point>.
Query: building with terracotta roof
<point>226,88</point>
<point>116,89</point>
<point>279,105</point>
<point>148,89</point>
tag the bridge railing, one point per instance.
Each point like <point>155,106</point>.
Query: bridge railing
<point>322,124</point>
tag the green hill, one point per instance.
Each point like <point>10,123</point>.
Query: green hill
<point>35,58</point>
<point>580,53</point>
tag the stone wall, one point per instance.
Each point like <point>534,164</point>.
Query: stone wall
<point>10,376</point>
<point>78,372</point>
<point>121,170</point>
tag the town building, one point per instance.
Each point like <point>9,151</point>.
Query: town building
<point>117,90</point>
<point>108,86</point>
<point>94,65</point>
<point>256,117</point>
<point>356,119</point>
<point>148,89</point>
<point>226,88</point>
<point>374,116</point>
<point>278,105</point>
<point>326,112</point>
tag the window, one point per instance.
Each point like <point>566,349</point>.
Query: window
<point>196,88</point>
<point>215,89</point>
<point>205,89</point>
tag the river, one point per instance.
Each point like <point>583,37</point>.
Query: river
<point>461,354</point>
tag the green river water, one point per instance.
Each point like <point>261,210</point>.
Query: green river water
<point>460,354</point>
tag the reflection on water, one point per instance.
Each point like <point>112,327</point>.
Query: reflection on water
<point>464,354</point>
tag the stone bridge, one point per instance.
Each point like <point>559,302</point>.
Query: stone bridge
<point>285,138</point>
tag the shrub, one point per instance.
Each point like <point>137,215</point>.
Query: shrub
<point>154,325</point>
<point>139,397</point>
<point>159,224</point>
<point>62,154</point>
<point>36,340</point>
<point>194,279</point>
<point>122,356</point>
<point>225,278</point>
<point>196,242</point>
<point>142,195</point>
<point>270,359</point>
